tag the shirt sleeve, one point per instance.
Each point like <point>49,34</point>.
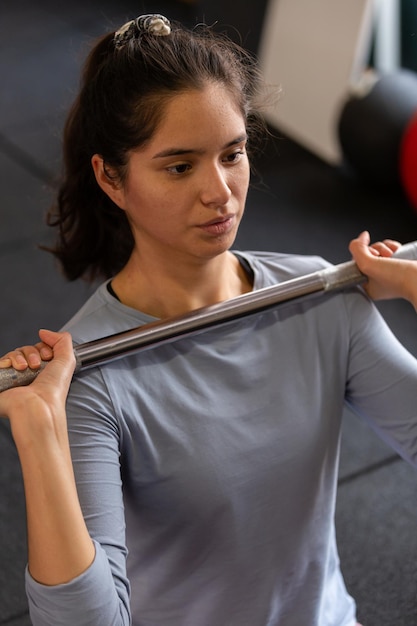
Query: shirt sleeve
<point>381,378</point>
<point>84,600</point>
<point>101,594</point>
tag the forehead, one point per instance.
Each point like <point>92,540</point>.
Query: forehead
<point>195,113</point>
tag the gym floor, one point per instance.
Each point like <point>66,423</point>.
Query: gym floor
<point>297,204</point>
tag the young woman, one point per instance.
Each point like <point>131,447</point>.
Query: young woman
<point>193,484</point>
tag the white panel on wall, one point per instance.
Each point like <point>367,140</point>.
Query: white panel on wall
<point>314,50</point>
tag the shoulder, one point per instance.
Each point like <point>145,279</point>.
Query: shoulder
<point>103,315</point>
<point>275,267</point>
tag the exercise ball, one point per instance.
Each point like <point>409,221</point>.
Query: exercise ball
<point>372,125</point>
<point>408,161</point>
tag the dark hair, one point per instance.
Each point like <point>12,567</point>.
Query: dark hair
<point>122,97</point>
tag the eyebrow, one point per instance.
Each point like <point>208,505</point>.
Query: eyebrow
<point>169,152</point>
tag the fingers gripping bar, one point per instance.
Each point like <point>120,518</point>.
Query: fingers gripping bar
<point>116,346</point>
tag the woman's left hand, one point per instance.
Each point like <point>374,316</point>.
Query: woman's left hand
<point>387,277</point>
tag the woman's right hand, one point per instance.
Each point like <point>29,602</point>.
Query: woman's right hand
<point>27,356</point>
<point>46,396</point>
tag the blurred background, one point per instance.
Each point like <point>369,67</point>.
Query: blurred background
<point>340,159</point>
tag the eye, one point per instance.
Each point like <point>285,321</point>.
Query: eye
<point>234,157</point>
<point>181,168</point>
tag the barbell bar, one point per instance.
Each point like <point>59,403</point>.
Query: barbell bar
<point>113,347</point>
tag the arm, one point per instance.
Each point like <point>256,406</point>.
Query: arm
<point>59,545</point>
<point>71,578</point>
<point>388,277</point>
<point>381,377</point>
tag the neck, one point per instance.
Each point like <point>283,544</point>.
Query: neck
<point>175,290</point>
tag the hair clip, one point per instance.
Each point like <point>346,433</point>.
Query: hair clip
<point>155,24</point>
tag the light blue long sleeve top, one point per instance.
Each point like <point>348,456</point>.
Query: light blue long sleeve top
<point>207,467</point>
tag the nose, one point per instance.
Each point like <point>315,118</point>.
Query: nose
<point>215,190</point>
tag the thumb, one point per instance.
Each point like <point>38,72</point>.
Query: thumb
<point>361,245</point>
<point>63,362</point>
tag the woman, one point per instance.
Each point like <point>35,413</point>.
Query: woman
<point>200,487</point>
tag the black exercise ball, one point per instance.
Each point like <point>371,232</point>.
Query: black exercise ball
<point>372,125</point>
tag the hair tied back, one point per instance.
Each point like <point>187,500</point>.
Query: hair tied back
<point>154,24</point>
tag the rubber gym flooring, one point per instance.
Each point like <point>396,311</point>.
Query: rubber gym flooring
<point>297,204</point>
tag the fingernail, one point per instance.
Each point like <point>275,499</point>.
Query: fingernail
<point>34,360</point>
<point>46,353</point>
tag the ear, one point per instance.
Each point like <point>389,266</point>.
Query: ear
<point>110,187</point>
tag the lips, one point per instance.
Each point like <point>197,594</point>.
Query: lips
<point>218,225</point>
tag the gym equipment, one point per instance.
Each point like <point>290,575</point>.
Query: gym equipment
<point>144,337</point>
<point>408,160</point>
<point>377,131</point>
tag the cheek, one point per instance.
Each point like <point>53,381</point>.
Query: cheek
<point>241,184</point>
<point>244,170</point>
<point>154,211</point>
